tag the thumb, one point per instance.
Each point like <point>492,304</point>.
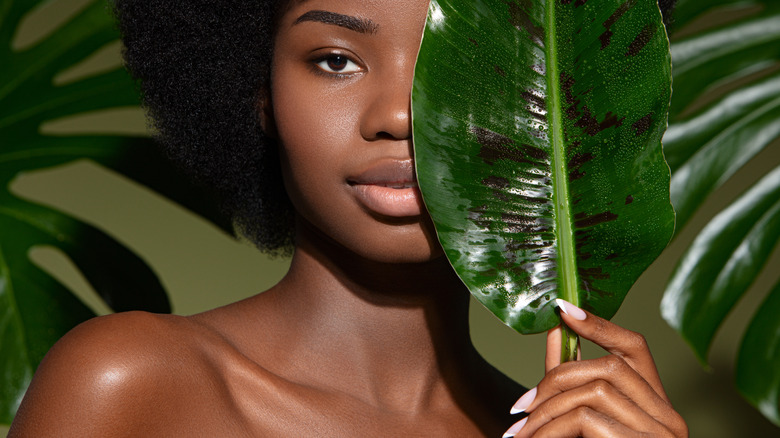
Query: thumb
<point>552,356</point>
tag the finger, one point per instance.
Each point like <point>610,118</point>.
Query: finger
<point>600,396</point>
<point>582,422</point>
<point>552,356</point>
<point>611,369</point>
<point>627,344</point>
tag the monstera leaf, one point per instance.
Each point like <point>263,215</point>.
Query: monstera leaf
<point>707,142</point>
<point>537,133</point>
<point>35,310</point>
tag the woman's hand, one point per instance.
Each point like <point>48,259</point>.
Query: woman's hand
<point>618,395</point>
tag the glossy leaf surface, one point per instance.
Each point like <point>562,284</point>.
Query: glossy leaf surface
<point>36,310</point>
<point>537,133</point>
<point>758,376</point>
<point>705,147</point>
<point>738,60</point>
<point>722,263</point>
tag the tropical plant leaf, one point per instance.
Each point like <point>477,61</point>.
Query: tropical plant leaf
<point>537,130</point>
<point>36,310</point>
<point>705,147</point>
<point>708,140</point>
<point>759,356</point>
<point>722,263</point>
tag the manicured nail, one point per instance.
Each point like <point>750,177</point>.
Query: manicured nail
<point>515,428</point>
<point>524,401</point>
<point>570,309</point>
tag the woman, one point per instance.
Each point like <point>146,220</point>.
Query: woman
<point>367,334</point>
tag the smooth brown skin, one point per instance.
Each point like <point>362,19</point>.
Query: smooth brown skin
<point>367,335</point>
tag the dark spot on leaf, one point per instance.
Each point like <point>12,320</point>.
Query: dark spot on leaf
<point>489,273</point>
<point>498,147</point>
<point>594,273</point>
<point>567,85</point>
<point>579,3</point>
<point>643,124</point>
<point>536,153</point>
<point>579,159</point>
<point>534,200</point>
<point>641,40</point>
<point>596,219</point>
<point>518,223</point>
<point>576,201</point>
<point>516,246</point>
<point>521,20</point>
<point>585,255</point>
<point>473,41</point>
<point>539,68</point>
<point>477,214</point>
<point>629,199</point>
<point>538,116</point>
<point>533,98</point>
<point>580,215</point>
<point>495,182</point>
<point>606,37</point>
<point>565,2</point>
<point>611,256</point>
<point>591,126</point>
<point>499,70</point>
<point>583,237</point>
<point>574,175</point>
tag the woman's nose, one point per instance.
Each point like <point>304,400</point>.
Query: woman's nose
<point>388,113</point>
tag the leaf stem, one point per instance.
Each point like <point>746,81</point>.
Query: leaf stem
<point>569,343</point>
<point>567,262</point>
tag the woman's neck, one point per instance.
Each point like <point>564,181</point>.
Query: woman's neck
<point>395,334</point>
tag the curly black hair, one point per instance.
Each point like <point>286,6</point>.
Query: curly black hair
<point>202,66</point>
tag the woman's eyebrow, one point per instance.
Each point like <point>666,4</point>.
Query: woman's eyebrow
<point>362,25</point>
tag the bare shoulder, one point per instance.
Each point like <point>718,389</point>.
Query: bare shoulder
<point>116,373</point>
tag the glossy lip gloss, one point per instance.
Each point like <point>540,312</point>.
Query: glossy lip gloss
<point>388,187</point>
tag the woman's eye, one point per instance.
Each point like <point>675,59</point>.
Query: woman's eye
<point>338,64</point>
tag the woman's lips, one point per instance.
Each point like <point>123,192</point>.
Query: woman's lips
<point>388,187</point>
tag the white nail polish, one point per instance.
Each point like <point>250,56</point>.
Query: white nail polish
<point>524,402</point>
<point>570,309</point>
<point>515,428</point>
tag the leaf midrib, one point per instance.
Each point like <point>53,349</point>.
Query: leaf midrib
<point>567,264</point>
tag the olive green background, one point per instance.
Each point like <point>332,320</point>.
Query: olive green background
<point>202,268</point>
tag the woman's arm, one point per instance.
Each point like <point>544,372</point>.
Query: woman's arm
<point>618,395</point>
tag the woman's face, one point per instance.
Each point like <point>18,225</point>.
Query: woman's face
<point>340,102</point>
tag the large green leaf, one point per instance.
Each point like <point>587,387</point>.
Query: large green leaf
<point>722,263</point>
<point>35,310</point>
<point>708,140</point>
<point>537,130</point>
<point>759,355</point>
<point>707,146</point>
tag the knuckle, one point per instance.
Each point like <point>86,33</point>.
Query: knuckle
<point>614,364</point>
<point>601,388</point>
<point>557,376</point>
<point>637,341</point>
<point>584,414</point>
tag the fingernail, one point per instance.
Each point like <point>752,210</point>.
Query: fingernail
<point>524,401</point>
<point>512,431</point>
<point>570,309</point>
